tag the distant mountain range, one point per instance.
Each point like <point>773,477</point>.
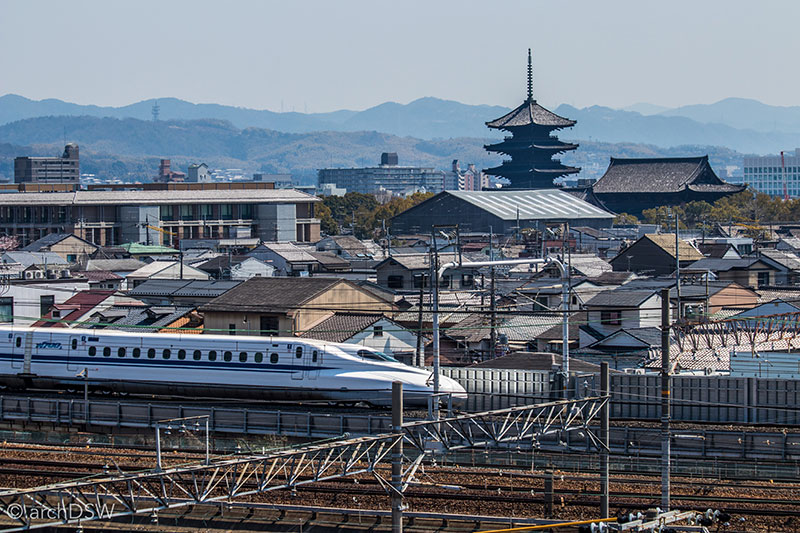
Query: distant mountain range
<point>129,149</point>
<point>740,124</point>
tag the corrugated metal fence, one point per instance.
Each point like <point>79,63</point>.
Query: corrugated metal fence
<point>695,398</point>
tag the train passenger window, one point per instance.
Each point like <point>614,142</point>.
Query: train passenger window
<point>243,357</point>
<point>314,356</point>
<point>197,354</point>
<point>273,358</point>
<point>136,353</point>
<point>19,342</point>
<point>212,355</point>
<point>166,353</point>
<point>227,356</point>
<point>151,353</point>
<point>106,351</point>
<point>92,351</point>
<point>120,352</point>
<point>74,344</point>
<point>298,352</point>
<point>181,354</point>
<point>259,357</point>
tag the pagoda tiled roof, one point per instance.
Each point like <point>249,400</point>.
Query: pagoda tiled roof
<point>510,145</point>
<point>662,175</point>
<point>530,113</point>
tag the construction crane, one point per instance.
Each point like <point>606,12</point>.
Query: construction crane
<point>162,230</point>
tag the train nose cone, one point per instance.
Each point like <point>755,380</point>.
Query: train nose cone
<point>449,385</point>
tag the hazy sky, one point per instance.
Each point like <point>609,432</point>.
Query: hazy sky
<point>327,55</point>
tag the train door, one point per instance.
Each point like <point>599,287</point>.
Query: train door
<point>313,362</point>
<point>298,359</point>
<point>73,351</point>
<point>17,349</point>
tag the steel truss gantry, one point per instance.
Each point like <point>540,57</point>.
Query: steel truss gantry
<point>123,494</point>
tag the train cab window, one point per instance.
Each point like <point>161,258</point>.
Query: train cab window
<point>166,353</point>
<point>136,353</point>
<point>227,356</point>
<point>120,352</point>
<point>314,356</point>
<point>74,344</point>
<point>273,358</point>
<point>19,342</point>
<point>181,354</point>
<point>298,353</point>
<point>259,357</point>
<point>151,353</point>
<point>243,357</point>
<point>196,355</point>
<point>92,351</point>
<point>212,355</point>
<point>106,352</point>
<point>376,356</point>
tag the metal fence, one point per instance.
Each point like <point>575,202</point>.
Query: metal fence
<point>717,399</point>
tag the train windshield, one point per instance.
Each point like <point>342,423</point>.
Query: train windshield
<point>377,356</point>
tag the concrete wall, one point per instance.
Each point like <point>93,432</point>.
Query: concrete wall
<point>276,222</point>
<point>132,223</point>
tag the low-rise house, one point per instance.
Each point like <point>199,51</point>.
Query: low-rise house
<point>719,250</point>
<point>748,271</point>
<point>120,266</point>
<point>330,263</point>
<point>75,311</point>
<point>23,302</point>
<point>181,292</point>
<point>139,251</point>
<point>346,246</point>
<point>149,319</point>
<point>239,267</point>
<point>103,279</point>
<point>655,255</point>
<point>622,308</point>
<point>68,246</point>
<point>164,270</point>
<point>286,306</point>
<point>38,265</point>
<point>786,265</point>
<point>372,330</point>
<point>412,271</point>
<point>288,259</point>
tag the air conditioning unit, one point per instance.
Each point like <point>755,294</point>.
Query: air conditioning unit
<point>29,275</point>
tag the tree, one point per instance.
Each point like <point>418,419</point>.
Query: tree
<point>327,224</point>
<point>624,219</point>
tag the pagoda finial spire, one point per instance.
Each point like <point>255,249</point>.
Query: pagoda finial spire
<point>530,76</point>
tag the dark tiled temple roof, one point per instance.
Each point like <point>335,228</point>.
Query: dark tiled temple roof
<point>661,175</point>
<point>530,113</point>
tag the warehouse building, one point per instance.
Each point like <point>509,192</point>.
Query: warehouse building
<point>500,211</point>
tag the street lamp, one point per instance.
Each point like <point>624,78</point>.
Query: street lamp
<point>182,421</point>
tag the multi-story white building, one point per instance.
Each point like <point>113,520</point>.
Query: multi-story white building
<point>765,173</point>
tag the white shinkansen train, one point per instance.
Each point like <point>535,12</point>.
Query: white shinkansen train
<point>264,368</point>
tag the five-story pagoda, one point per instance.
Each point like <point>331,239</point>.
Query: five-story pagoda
<point>532,144</point>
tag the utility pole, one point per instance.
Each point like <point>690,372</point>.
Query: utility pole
<point>677,270</point>
<point>420,355</point>
<point>397,457</point>
<point>492,304</point>
<point>665,401</point>
<point>604,422</point>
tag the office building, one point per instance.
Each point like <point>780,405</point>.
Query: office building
<point>766,173</point>
<point>61,170</point>
<point>388,176</point>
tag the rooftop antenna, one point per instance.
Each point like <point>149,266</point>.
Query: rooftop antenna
<point>530,76</point>
<point>156,109</point>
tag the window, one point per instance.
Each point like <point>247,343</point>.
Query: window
<point>420,281</point>
<point>46,301</point>
<point>106,352</point>
<point>395,282</point>
<point>231,329</point>
<point>611,318</point>
<point>242,357</point>
<point>377,331</point>
<point>7,309</point>
<point>181,354</point>
<point>763,279</point>
<point>298,353</point>
<point>227,357</point>
<point>259,357</point>
<point>151,353</point>
<point>196,355</point>
<point>212,355</point>
<point>92,349</point>
<point>226,211</point>
<point>269,325</point>
<point>120,352</point>
<point>74,344</point>
<point>166,353</point>
<point>467,281</point>
<point>314,356</point>
<point>136,353</point>
<point>273,358</point>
